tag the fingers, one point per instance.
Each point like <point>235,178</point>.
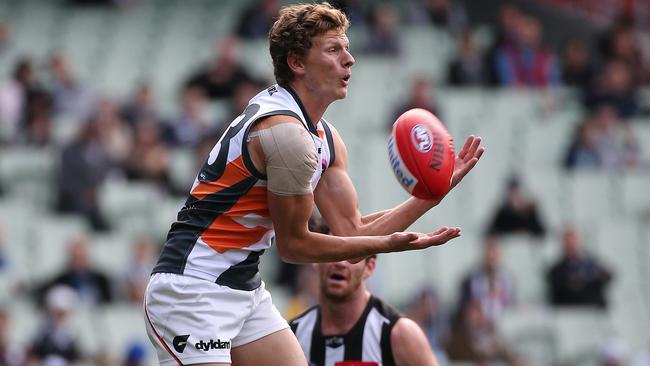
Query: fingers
<point>479,153</point>
<point>466,146</point>
<point>471,148</point>
<point>471,153</point>
<point>439,231</point>
<point>438,237</point>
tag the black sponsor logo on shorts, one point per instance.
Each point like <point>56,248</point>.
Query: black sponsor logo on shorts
<point>180,342</point>
<point>212,344</point>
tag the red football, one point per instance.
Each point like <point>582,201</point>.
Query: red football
<point>421,153</point>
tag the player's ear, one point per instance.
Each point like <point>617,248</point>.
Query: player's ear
<point>371,263</point>
<point>296,64</point>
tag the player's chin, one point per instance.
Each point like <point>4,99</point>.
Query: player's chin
<point>342,93</point>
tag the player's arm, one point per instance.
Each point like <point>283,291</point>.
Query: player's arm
<point>410,345</point>
<point>284,152</point>
<point>337,198</point>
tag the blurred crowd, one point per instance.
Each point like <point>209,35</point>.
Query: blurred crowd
<point>44,104</point>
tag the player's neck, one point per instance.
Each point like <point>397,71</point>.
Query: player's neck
<point>314,105</point>
<point>340,317</point>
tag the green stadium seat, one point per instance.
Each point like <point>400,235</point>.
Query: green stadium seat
<point>579,335</point>
<point>526,332</point>
<point>127,204</point>
<point>49,244</point>
<point>124,324</point>
<point>590,195</point>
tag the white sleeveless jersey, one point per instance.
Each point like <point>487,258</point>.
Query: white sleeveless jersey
<point>368,341</point>
<point>225,224</point>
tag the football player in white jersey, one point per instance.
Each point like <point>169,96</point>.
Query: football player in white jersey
<point>205,303</point>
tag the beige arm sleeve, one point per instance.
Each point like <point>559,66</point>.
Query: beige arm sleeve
<point>291,159</point>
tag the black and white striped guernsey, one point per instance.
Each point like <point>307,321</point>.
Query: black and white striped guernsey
<point>368,340</point>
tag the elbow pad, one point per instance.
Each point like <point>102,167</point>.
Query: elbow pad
<point>291,159</point>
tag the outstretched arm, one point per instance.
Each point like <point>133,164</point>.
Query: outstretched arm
<point>337,198</point>
<point>297,244</point>
<point>282,148</point>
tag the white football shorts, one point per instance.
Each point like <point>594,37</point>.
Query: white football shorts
<point>190,320</point>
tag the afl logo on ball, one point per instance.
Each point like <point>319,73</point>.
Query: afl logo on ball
<point>422,138</point>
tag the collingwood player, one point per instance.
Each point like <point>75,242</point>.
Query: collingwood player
<point>351,327</point>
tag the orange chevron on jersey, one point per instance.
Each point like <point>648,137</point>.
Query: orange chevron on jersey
<point>225,224</point>
<point>243,225</point>
<point>235,172</point>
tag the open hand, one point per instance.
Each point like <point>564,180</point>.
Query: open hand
<point>411,241</point>
<point>466,159</point>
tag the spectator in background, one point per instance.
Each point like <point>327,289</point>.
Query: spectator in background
<point>114,133</point>
<point>577,278</point>
<point>615,87</point>
<point>191,125</point>
<point>140,106</point>
<point>506,36</point>
<point>583,151</point>
<point>468,68</point>
<point>139,271</point>
<point>475,339</point>
<point>85,163</point>
<point>244,92</point>
<point>71,98</point>
<point>421,96</point>
<point>489,285</point>
<point>383,36</point>
<point>37,123</point>
<point>256,20</point>
<point>5,36</point>
<point>527,62</point>
<point>219,79</point>
<point>149,158</point>
<point>604,142</point>
<point>13,96</point>
<point>517,214</point>
<point>136,355</point>
<point>10,353</point>
<point>91,286</point>
<point>55,343</point>
<point>622,44</point>
<point>426,310</point>
<point>577,67</point>
<point>439,13</point>
<point>354,9</point>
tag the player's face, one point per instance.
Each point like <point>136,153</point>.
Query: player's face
<point>340,281</point>
<point>328,65</point>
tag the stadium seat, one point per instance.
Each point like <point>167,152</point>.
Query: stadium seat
<point>526,331</point>
<point>24,322</point>
<point>633,193</point>
<point>591,196</point>
<point>29,173</point>
<point>112,254</point>
<point>49,244</point>
<point>127,204</point>
<point>521,258</point>
<point>124,325</point>
<point>579,335</point>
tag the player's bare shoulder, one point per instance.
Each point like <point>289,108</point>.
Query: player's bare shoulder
<point>340,149</point>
